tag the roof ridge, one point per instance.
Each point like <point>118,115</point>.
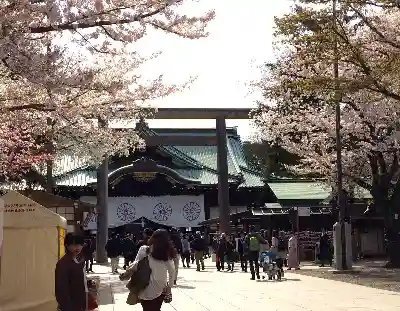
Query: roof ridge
<point>233,156</point>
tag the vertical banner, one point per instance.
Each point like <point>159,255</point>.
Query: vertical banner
<point>61,247</point>
<point>1,230</point>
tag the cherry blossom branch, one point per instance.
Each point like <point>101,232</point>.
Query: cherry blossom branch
<point>373,28</point>
<point>368,71</point>
<point>101,23</point>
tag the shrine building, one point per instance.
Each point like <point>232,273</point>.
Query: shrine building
<point>167,185</point>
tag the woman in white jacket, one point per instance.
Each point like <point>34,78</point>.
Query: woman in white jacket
<point>160,252</point>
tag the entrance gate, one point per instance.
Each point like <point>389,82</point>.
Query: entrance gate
<point>220,140</point>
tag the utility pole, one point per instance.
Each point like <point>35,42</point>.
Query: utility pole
<point>337,98</point>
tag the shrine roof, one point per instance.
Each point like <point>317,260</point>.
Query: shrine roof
<point>300,190</point>
<point>197,162</point>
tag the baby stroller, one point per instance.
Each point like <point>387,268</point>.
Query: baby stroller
<point>272,265</point>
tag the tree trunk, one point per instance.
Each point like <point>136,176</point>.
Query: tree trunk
<point>393,249</point>
<point>392,225</point>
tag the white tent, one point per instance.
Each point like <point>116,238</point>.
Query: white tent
<point>32,245</point>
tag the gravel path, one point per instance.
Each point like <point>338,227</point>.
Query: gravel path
<point>372,275</point>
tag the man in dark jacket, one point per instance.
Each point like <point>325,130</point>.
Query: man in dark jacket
<point>88,250</point>
<point>113,249</point>
<point>222,249</point>
<point>70,280</point>
<point>199,245</point>
<point>128,250</point>
<point>243,251</point>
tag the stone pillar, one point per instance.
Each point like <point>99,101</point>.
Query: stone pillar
<point>102,212</point>
<point>337,246</point>
<point>223,183</point>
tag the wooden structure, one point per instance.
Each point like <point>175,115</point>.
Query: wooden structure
<point>72,210</point>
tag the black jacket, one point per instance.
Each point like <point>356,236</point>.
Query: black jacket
<point>222,247</point>
<point>113,248</point>
<point>198,244</point>
<point>128,246</point>
<point>69,284</point>
<point>176,240</point>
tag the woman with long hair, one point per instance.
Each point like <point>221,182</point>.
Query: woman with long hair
<point>161,252</point>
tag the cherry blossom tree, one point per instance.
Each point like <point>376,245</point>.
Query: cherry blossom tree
<point>66,65</point>
<point>18,151</point>
<point>299,90</point>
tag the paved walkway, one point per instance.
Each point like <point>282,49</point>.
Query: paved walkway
<point>219,291</point>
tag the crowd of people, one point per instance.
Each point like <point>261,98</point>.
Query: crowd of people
<point>154,259</point>
<point>191,248</point>
<point>163,251</point>
<point>247,248</point>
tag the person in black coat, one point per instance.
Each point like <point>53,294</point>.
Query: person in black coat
<point>70,289</point>
<point>113,249</point>
<point>243,251</point>
<point>230,252</point>
<point>221,252</point>
<point>87,251</point>
<point>198,246</point>
<point>325,253</point>
<point>128,250</point>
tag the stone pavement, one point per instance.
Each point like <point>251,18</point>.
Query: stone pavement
<point>218,291</point>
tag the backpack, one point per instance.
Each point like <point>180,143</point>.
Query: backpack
<point>254,245</point>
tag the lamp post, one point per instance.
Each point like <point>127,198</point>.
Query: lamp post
<point>339,182</point>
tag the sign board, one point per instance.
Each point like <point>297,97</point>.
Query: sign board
<point>304,211</point>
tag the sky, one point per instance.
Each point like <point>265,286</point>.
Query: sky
<point>241,38</point>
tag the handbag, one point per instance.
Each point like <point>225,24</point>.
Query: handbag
<point>167,294</point>
<point>139,279</point>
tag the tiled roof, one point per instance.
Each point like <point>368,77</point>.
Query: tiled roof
<point>199,162</point>
<point>207,156</point>
<point>65,164</point>
<point>299,190</point>
<point>77,178</point>
<point>251,179</point>
<point>87,176</point>
<point>206,177</point>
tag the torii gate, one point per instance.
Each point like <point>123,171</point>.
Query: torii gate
<point>220,140</point>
